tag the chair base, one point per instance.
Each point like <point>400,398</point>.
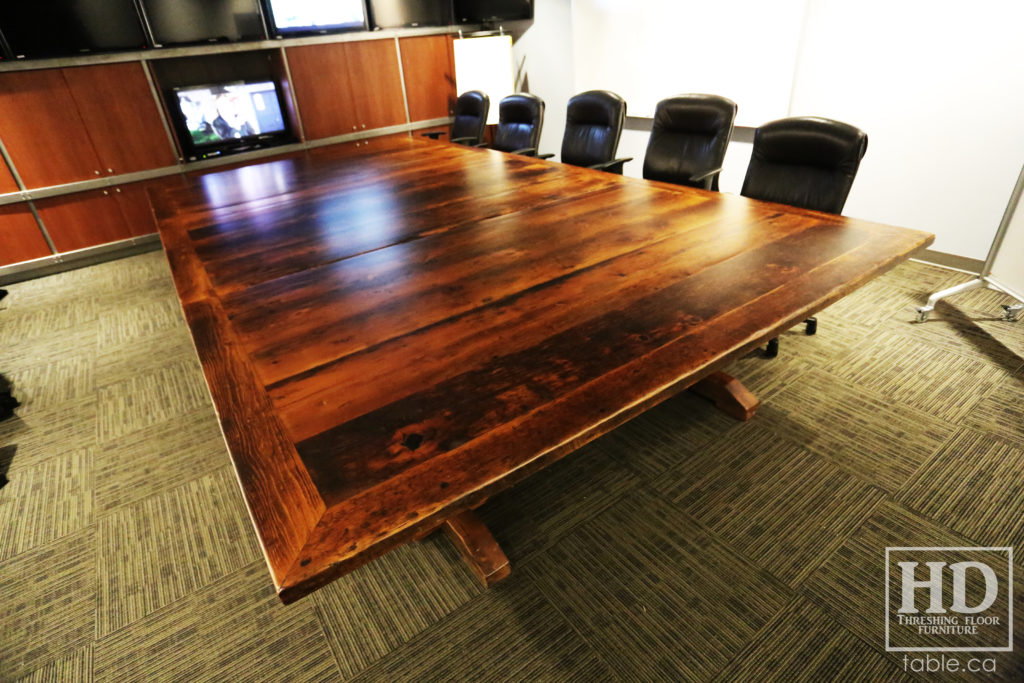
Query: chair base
<point>772,350</point>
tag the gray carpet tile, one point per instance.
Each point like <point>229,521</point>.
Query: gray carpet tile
<point>509,634</point>
<point>537,514</point>
<point>658,596</point>
<point>999,413</point>
<point>863,431</point>
<point>973,467</point>
<point>169,545</point>
<point>681,546</point>
<point>48,604</point>
<point>234,629</point>
<point>373,611</point>
<point>781,505</point>
<point>157,458</point>
<point>46,501</point>
<point>803,644</point>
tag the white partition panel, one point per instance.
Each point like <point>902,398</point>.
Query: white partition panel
<point>647,50</point>
<point>1008,267</point>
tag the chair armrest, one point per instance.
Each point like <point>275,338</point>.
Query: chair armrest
<point>545,156</point>
<point>463,141</point>
<point>481,144</point>
<point>434,135</point>
<point>613,166</point>
<point>707,178</point>
<point>526,151</point>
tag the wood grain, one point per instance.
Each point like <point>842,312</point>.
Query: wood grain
<point>427,324</point>
<point>122,118</point>
<point>376,83</point>
<point>7,182</point>
<point>323,89</point>
<point>84,219</point>
<point>429,69</point>
<point>42,129</point>
<point>20,235</point>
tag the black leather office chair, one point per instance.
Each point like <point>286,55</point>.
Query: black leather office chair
<point>808,162</point>
<point>593,125</point>
<point>470,119</point>
<point>688,140</point>
<point>520,118</point>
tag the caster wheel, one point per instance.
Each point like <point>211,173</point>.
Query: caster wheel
<point>811,326</point>
<point>773,348</point>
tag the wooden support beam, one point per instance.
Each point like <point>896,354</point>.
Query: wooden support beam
<point>478,548</point>
<point>728,395</point>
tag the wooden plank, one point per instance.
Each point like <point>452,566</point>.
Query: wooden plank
<point>728,395</point>
<point>477,546</point>
<point>427,325</point>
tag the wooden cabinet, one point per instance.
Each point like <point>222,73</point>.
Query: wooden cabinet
<point>85,219</point>
<point>118,109</point>
<point>43,131</point>
<point>67,125</point>
<point>347,87</point>
<point>428,64</point>
<point>20,237</point>
<point>133,200</point>
<point>7,183</point>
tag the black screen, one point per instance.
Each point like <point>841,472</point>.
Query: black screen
<point>69,27</point>
<point>399,13</point>
<point>476,11</point>
<point>180,22</point>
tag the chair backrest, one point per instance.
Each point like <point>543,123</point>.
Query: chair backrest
<point>593,125</point>
<point>520,118</point>
<point>805,161</point>
<point>689,138</point>
<point>470,117</point>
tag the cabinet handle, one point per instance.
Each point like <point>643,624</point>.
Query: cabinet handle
<point>110,170</point>
<point>118,190</point>
<point>105,193</point>
<point>364,125</point>
<point>355,127</point>
<point>96,172</point>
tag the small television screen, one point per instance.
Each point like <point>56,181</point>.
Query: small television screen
<point>402,13</point>
<point>69,27</point>
<point>481,11</point>
<point>316,16</point>
<point>228,116</point>
<point>185,22</point>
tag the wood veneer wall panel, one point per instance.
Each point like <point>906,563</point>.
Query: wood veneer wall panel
<point>20,237</point>
<point>81,220</point>
<point>429,68</point>
<point>7,183</point>
<point>122,118</point>
<point>376,83</point>
<point>323,88</point>
<point>42,129</point>
<point>135,206</point>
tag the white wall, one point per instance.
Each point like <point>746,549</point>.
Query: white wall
<point>938,87</point>
<point>546,48</point>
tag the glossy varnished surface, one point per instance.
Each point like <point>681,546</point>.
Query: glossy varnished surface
<point>392,336</point>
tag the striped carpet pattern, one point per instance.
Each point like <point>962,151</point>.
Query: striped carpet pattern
<point>683,546</point>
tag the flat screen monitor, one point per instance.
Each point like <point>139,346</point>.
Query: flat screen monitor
<point>69,27</point>
<point>482,11</point>
<point>185,22</point>
<point>291,17</point>
<point>403,13</point>
<point>214,119</point>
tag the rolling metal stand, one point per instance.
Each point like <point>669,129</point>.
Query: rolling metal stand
<point>984,279</point>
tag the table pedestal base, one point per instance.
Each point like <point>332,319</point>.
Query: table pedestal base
<point>728,395</point>
<point>478,548</point>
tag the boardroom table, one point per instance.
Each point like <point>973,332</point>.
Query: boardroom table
<point>393,334</point>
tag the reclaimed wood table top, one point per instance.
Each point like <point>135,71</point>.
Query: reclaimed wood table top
<point>391,336</point>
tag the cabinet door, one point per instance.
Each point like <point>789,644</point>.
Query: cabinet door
<point>85,219</point>
<point>376,83</point>
<point>320,78</point>
<point>122,118</point>
<point>7,183</point>
<point>429,68</point>
<point>20,237</point>
<point>133,201</point>
<point>42,129</point>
